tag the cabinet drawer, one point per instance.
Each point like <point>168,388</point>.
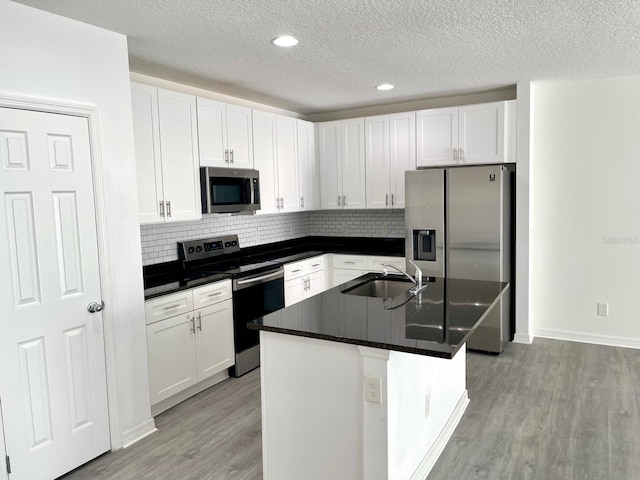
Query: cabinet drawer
<point>293,270</point>
<point>377,263</point>
<point>314,264</point>
<point>355,262</point>
<point>168,306</point>
<point>210,294</point>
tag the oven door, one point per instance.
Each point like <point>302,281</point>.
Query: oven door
<point>253,297</point>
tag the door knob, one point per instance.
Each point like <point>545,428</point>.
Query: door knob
<point>94,307</point>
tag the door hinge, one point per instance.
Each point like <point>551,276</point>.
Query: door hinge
<point>8,464</point>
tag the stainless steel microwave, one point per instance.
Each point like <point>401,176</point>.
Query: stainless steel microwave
<point>229,190</point>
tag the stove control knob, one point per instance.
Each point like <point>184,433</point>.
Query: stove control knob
<point>191,250</point>
<point>198,249</point>
<point>227,244</point>
<point>234,243</point>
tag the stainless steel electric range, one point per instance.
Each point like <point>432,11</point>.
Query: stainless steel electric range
<point>258,289</point>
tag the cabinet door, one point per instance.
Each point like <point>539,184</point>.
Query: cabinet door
<point>341,275</point>
<point>212,133</point>
<point>146,132</point>
<point>287,158</point>
<point>330,165</point>
<point>353,163</point>
<point>172,359</point>
<point>378,192</point>
<point>293,291</point>
<point>437,136</point>
<point>482,130</point>
<point>315,284</point>
<point>214,339</point>
<point>179,150</point>
<point>239,137</point>
<point>402,153</point>
<point>308,175</point>
<point>264,141</point>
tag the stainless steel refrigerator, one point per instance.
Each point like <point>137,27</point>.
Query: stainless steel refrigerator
<point>459,224</point>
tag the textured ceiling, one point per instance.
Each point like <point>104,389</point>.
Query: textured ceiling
<point>426,48</point>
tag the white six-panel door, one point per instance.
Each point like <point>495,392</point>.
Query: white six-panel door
<point>52,375</point>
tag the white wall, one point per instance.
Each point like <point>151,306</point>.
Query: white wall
<point>586,210</point>
<point>48,56</point>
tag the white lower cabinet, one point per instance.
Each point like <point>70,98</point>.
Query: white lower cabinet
<point>304,279</point>
<point>349,267</point>
<point>188,348</point>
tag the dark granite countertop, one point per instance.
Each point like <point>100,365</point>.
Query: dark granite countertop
<point>448,312</point>
<point>168,277</point>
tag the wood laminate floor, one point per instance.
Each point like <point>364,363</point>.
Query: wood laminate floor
<point>549,411</point>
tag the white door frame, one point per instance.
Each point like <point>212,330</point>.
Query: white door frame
<point>90,112</point>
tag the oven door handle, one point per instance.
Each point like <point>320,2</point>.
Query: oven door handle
<point>240,284</point>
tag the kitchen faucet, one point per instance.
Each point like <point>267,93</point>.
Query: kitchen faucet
<point>416,279</point>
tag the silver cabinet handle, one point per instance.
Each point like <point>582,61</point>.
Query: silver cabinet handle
<point>199,321</point>
<point>168,208</point>
<point>215,294</point>
<point>455,154</point>
<point>349,263</point>
<point>338,200</point>
<point>461,155</point>
<point>392,199</point>
<point>386,199</point>
<point>171,307</point>
<point>282,203</point>
<point>231,155</point>
<point>226,156</point>
<point>95,307</point>
<point>193,324</point>
<point>315,265</point>
<point>344,200</point>
<point>161,208</point>
<point>296,270</point>
<point>301,202</point>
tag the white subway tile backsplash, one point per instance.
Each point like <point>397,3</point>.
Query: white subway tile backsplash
<point>159,241</point>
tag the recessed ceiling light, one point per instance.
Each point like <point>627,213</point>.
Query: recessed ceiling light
<point>285,41</point>
<point>384,86</point>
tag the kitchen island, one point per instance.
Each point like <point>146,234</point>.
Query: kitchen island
<point>356,386</point>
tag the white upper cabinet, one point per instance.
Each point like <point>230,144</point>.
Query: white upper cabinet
<point>390,151</point>
<point>308,175</point>
<point>437,134</point>
<point>342,164</point>
<point>287,160</point>
<point>275,156</point>
<point>224,134</point>
<point>471,134</point>
<point>264,156</point>
<point>166,154</point>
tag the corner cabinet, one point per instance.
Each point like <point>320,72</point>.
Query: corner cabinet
<point>189,342</point>
<point>342,164</point>
<point>275,157</point>
<point>472,134</point>
<point>390,150</point>
<point>165,134</point>
<point>224,134</point>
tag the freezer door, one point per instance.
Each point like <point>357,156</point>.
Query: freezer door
<point>424,221</point>
<point>478,219</point>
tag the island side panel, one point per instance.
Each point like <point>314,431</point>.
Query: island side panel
<point>417,432</point>
<point>311,409</point>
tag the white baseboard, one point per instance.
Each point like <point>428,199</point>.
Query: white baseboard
<point>436,449</point>
<point>167,403</point>
<point>138,433</point>
<point>608,340</point>
<point>523,338</point>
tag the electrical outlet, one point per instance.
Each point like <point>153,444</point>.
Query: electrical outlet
<point>603,309</point>
<point>373,389</point>
<point>427,400</point>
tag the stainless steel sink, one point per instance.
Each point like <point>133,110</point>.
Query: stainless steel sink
<point>380,288</point>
